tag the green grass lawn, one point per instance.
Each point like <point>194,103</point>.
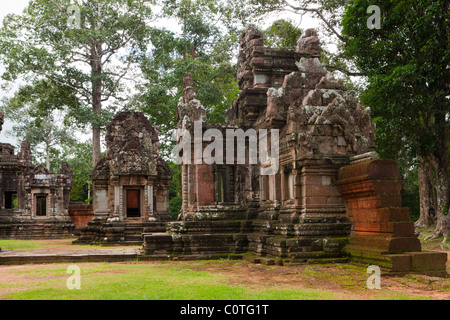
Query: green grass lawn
<point>22,245</point>
<point>141,281</point>
<point>199,280</point>
<point>196,280</point>
<point>60,244</point>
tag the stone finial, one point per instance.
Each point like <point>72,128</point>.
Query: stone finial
<point>25,151</point>
<point>252,32</point>
<point>309,43</point>
<point>41,169</point>
<point>65,169</point>
<point>189,108</point>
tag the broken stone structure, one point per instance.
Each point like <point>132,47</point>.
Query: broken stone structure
<point>130,184</point>
<point>322,200</point>
<point>34,202</point>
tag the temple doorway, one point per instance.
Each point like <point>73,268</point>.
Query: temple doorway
<point>133,203</point>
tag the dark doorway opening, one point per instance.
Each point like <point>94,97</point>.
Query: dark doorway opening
<point>133,203</point>
<point>41,205</point>
<point>10,200</point>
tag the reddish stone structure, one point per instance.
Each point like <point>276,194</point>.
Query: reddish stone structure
<point>34,202</point>
<point>382,232</point>
<point>81,214</point>
<point>297,213</point>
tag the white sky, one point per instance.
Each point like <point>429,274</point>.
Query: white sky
<point>17,6</point>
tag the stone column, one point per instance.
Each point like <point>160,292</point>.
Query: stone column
<point>150,205</point>
<point>121,216</point>
<point>206,190</point>
<point>117,202</point>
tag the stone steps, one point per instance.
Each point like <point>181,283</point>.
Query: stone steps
<point>117,233</point>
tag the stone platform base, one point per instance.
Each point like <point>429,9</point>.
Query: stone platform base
<point>36,229</point>
<point>293,242</point>
<point>432,263</point>
<point>65,256</point>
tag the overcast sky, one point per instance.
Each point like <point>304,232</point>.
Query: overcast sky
<point>17,6</point>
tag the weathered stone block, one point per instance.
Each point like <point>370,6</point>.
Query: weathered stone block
<point>428,261</point>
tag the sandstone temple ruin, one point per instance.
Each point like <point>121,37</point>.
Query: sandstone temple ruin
<point>329,198</point>
<point>34,201</point>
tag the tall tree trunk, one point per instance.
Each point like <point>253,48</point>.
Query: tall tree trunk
<point>97,83</point>
<point>426,194</point>
<point>96,65</point>
<point>47,156</point>
<point>440,163</point>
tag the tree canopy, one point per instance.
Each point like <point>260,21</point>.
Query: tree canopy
<point>204,46</point>
<point>406,62</point>
<point>88,48</point>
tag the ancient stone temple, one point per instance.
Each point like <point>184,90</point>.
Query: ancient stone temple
<point>298,206</point>
<point>130,184</point>
<point>34,201</point>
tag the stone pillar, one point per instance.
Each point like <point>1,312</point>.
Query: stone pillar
<point>100,200</point>
<point>116,201</point>
<point>185,188</point>
<point>319,197</point>
<point>121,203</point>
<point>150,199</point>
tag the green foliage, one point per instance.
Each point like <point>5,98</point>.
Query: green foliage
<point>32,110</point>
<point>79,159</point>
<point>410,191</point>
<point>14,202</point>
<point>406,64</point>
<point>86,64</point>
<point>175,186</point>
<point>175,206</point>
<point>175,198</point>
<point>282,34</point>
<point>204,46</point>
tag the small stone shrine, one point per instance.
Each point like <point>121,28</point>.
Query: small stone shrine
<point>130,184</point>
<point>34,201</point>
